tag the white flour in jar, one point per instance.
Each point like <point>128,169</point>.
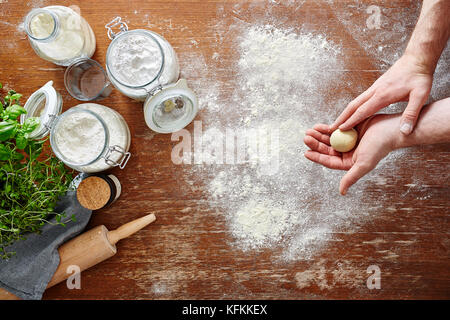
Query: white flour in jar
<point>80,137</point>
<point>119,134</point>
<point>135,60</point>
<point>74,38</point>
<point>42,25</point>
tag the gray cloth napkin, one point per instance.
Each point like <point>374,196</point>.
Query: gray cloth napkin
<point>29,271</point>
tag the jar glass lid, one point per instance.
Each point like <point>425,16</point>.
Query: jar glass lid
<point>135,58</point>
<point>79,137</point>
<point>171,109</point>
<point>44,104</point>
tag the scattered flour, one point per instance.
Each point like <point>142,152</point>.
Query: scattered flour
<point>387,43</point>
<point>280,86</point>
<point>159,288</point>
<point>282,79</point>
<point>260,223</point>
<point>379,42</point>
<point>276,63</point>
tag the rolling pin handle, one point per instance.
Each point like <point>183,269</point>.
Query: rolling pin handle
<point>129,228</point>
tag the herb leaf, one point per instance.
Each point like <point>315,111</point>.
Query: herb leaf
<point>7,130</point>
<point>30,125</point>
<point>5,153</point>
<point>21,141</point>
<point>12,112</point>
<point>31,179</point>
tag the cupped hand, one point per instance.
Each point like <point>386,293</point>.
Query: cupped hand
<point>407,80</point>
<point>376,139</point>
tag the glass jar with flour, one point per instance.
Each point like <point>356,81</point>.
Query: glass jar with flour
<point>88,137</point>
<point>143,66</point>
<point>59,34</point>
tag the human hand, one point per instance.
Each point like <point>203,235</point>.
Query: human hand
<point>377,137</point>
<point>407,80</point>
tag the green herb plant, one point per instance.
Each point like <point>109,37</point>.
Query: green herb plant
<point>31,181</point>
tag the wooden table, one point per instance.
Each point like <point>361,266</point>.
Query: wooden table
<point>186,253</point>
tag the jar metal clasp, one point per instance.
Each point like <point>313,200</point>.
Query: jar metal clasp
<point>51,121</point>
<point>117,21</point>
<point>125,156</point>
<point>155,90</point>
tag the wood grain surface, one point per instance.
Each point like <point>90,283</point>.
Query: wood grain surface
<point>187,252</point>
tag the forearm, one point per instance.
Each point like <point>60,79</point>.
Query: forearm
<point>432,127</point>
<point>431,34</point>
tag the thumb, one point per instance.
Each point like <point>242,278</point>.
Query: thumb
<point>356,172</point>
<point>411,113</point>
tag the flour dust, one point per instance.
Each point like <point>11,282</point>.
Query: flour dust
<point>280,78</point>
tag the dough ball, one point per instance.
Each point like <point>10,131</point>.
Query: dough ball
<point>343,141</point>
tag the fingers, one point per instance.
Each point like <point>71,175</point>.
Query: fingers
<point>412,111</point>
<point>331,162</point>
<point>322,137</point>
<point>322,128</point>
<point>320,147</point>
<point>318,140</point>
<point>351,108</point>
<point>375,103</point>
<point>356,172</point>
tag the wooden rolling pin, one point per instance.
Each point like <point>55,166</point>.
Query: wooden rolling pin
<point>89,249</point>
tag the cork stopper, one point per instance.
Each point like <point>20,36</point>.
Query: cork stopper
<point>93,193</point>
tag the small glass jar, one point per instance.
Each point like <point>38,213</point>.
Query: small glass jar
<point>171,108</point>
<point>88,137</point>
<point>86,80</point>
<point>143,66</point>
<point>59,34</point>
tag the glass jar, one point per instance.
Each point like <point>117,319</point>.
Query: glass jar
<point>59,34</point>
<point>139,61</point>
<point>171,108</point>
<point>88,137</point>
<point>143,66</point>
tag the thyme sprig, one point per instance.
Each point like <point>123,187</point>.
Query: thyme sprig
<point>31,181</point>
